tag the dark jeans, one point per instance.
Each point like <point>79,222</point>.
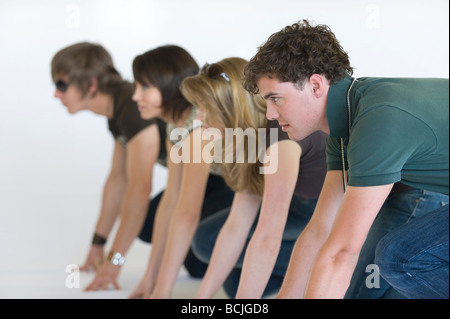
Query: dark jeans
<point>399,209</point>
<point>300,212</point>
<point>414,258</point>
<point>217,197</point>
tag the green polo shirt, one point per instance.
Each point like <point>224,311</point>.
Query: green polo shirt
<point>399,131</point>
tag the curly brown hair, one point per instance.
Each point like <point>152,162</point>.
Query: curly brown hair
<point>297,52</point>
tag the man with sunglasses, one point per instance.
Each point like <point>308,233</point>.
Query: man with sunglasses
<point>381,132</point>
<point>85,79</point>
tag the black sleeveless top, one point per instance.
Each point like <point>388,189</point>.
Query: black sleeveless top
<point>127,122</point>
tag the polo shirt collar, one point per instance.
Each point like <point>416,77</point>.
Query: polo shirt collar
<point>337,114</point>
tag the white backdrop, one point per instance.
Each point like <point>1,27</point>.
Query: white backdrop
<point>42,145</point>
<point>52,162</point>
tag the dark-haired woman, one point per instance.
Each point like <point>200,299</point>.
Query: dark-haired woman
<point>195,188</point>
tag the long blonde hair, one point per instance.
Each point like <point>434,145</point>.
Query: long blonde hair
<point>224,102</point>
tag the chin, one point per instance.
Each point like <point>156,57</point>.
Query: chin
<point>146,116</point>
<point>295,137</point>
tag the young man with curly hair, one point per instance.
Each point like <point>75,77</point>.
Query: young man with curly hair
<point>386,190</point>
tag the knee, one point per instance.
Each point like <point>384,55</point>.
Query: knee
<point>206,235</point>
<point>231,284</point>
<point>194,266</point>
<point>387,258</point>
<point>202,243</point>
<point>381,252</point>
<point>146,234</point>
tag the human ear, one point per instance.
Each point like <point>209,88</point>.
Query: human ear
<point>317,83</point>
<point>93,87</point>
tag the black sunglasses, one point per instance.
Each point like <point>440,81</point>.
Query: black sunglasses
<point>214,71</point>
<point>61,85</point>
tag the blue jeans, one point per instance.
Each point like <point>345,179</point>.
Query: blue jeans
<point>399,209</point>
<point>300,212</point>
<point>414,258</point>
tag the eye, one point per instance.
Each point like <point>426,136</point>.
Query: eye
<point>275,99</point>
<point>143,87</point>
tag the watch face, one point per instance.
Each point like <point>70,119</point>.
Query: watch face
<point>118,261</point>
<point>116,258</point>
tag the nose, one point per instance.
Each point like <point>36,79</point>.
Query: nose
<point>272,113</point>
<point>135,96</point>
<point>57,94</point>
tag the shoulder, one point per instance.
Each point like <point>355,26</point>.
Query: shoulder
<point>177,134</point>
<point>316,140</point>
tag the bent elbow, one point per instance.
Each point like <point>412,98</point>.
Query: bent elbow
<point>346,256</point>
<point>316,234</point>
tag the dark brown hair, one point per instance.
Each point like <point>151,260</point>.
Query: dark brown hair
<point>297,52</point>
<point>83,61</point>
<point>165,68</point>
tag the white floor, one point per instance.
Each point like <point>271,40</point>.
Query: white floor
<point>45,231</point>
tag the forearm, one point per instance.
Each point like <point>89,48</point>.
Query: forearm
<point>180,234</point>
<point>312,238</point>
<point>227,249</point>
<point>159,237</point>
<point>300,264</point>
<point>113,192</point>
<point>133,210</point>
<point>259,262</point>
<point>189,180</point>
<point>331,274</point>
<point>337,258</point>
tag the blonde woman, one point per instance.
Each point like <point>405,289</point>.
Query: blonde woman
<point>194,189</point>
<point>248,254</point>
